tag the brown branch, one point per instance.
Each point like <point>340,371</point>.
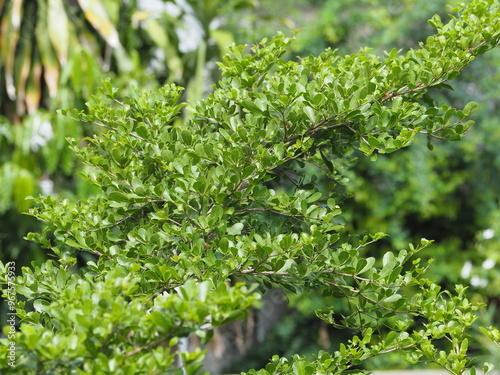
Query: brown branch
<point>385,352</point>
<point>267,273</point>
<point>146,347</point>
<point>261,209</point>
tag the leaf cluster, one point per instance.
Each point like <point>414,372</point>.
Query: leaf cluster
<point>194,215</point>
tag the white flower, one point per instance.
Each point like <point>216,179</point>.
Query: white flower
<point>41,133</point>
<point>488,234</point>
<point>466,269</point>
<point>475,280</point>
<point>191,33</point>
<point>488,264</point>
<point>47,186</point>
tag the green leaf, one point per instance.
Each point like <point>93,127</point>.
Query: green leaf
<point>367,265</point>
<point>388,260</point>
<point>40,305</point>
<point>235,229</point>
<point>310,113</point>
<point>389,339</point>
<point>251,106</point>
<point>392,298</point>
<point>469,107</point>
<point>327,162</point>
<point>95,12</point>
<point>117,196</point>
<point>187,137</point>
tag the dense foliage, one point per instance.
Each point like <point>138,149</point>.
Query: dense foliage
<point>448,195</point>
<point>53,54</point>
<point>193,216</point>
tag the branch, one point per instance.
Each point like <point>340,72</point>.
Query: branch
<point>147,347</point>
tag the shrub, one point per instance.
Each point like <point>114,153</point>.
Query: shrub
<point>196,217</point>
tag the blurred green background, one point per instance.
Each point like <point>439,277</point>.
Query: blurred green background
<point>54,53</point>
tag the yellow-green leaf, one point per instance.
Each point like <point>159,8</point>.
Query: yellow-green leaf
<point>33,86</point>
<point>23,63</point>
<point>96,14</point>
<point>51,68</point>
<point>160,36</point>
<point>57,22</point>
<point>9,31</point>
<point>310,113</point>
<point>24,186</point>
<point>223,39</point>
